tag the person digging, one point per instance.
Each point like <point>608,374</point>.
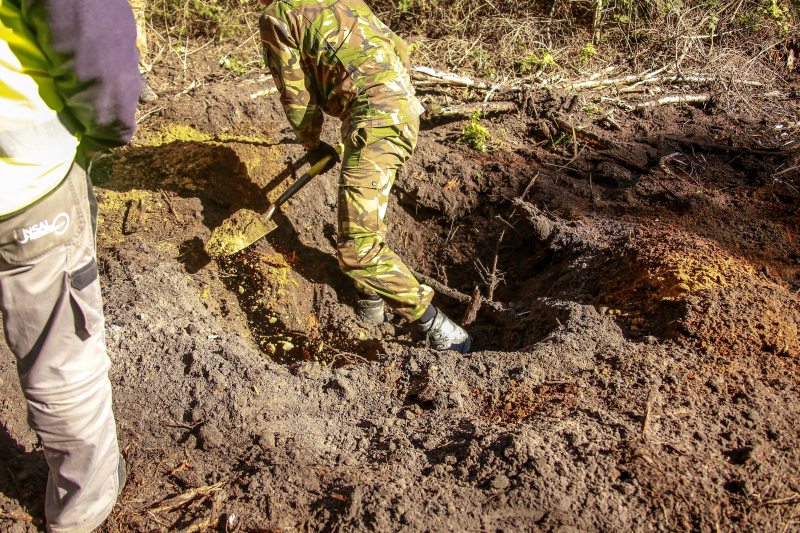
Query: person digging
<point>336,57</point>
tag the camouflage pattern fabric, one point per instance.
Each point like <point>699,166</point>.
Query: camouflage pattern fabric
<point>371,159</point>
<point>335,56</point>
<point>141,35</point>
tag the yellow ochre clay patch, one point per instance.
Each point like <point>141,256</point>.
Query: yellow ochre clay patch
<point>658,266</point>
<point>676,268</point>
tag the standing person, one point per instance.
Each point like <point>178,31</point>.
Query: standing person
<point>148,95</point>
<point>334,56</point>
<point>68,87</point>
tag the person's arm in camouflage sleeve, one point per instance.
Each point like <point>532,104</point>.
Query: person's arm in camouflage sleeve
<point>298,93</point>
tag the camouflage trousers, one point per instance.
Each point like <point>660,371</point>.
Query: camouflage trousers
<point>371,159</point>
<point>141,35</point>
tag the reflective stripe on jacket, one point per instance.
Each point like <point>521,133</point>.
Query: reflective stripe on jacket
<point>68,77</point>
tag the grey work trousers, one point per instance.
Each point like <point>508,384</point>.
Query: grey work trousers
<point>53,321</point>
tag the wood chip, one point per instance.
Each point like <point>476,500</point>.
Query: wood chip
<point>473,307</point>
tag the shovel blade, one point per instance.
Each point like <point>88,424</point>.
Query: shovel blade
<point>239,231</point>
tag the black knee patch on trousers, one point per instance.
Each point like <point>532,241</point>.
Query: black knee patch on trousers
<point>84,276</point>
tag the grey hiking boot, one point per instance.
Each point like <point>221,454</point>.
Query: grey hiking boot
<point>441,333</point>
<point>122,474</point>
<point>370,310</point>
<point>148,95</point>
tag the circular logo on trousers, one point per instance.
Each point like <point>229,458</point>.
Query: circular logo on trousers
<point>61,223</point>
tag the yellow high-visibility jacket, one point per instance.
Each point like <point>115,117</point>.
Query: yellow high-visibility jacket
<point>69,81</point>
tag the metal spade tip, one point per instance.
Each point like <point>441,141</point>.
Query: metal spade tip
<point>238,232</point>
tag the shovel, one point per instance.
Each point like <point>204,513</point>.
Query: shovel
<point>245,226</point>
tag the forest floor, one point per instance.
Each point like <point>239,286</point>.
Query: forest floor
<point>641,376</point>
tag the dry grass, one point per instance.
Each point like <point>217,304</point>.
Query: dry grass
<point>491,39</point>
<point>519,41</point>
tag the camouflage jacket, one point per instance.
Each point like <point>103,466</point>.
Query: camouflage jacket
<point>335,56</point>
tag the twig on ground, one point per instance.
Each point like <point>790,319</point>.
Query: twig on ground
<point>651,396</point>
<point>197,525</point>
<point>493,89</point>
<point>786,170</point>
<point>167,199</point>
<point>452,232</point>
<point>13,515</point>
<point>494,278</point>
<point>589,137</point>
<point>449,78</point>
<point>783,501</point>
<point>530,184</point>
<point>495,311</point>
<point>148,114</point>
<point>186,497</point>
<point>619,103</point>
<point>507,223</point>
<point>609,119</point>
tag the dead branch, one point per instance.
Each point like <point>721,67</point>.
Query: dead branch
<point>199,524</point>
<point>494,311</point>
<point>466,110</point>
<point>619,157</point>
<point>679,99</point>
<point>446,78</point>
<point>635,80</point>
<point>720,148</point>
<point>493,89</point>
<point>577,131</point>
<point>441,288</point>
<point>494,279</point>
<point>172,209</point>
<point>591,84</point>
<point>186,497</point>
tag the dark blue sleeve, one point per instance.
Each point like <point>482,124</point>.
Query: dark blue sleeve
<point>91,45</point>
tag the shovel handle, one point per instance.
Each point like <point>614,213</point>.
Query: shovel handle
<point>302,181</point>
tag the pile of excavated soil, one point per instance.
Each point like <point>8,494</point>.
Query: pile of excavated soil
<point>642,374</point>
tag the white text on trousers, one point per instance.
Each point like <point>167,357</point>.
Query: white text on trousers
<point>43,228</point>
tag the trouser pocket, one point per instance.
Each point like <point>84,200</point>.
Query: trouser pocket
<point>52,222</point>
<point>84,290</point>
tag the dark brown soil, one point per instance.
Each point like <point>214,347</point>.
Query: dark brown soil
<point>644,376</point>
